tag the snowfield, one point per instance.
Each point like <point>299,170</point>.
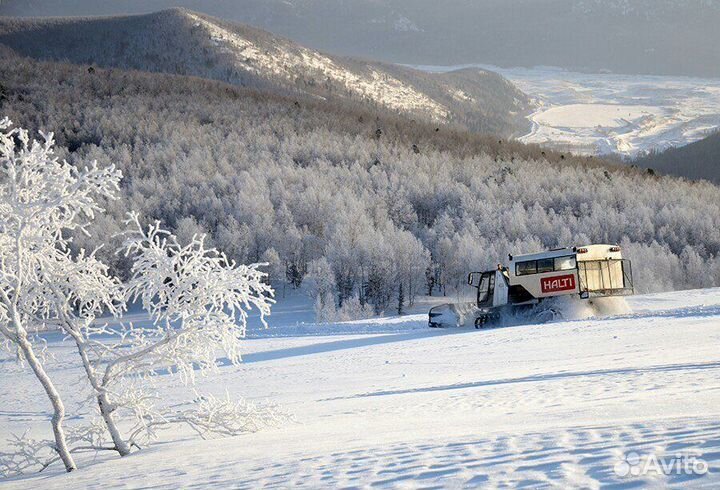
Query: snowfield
<point>401,405</point>
<point>608,113</point>
<point>578,116</point>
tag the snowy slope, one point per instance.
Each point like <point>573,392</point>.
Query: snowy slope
<point>622,114</point>
<point>555,405</point>
<point>698,160</point>
<point>288,64</point>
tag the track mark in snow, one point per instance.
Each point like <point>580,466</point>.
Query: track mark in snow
<point>546,406</point>
<point>701,311</point>
<point>542,378</point>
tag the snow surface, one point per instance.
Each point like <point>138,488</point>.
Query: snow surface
<point>402,405</point>
<point>578,116</point>
<point>608,113</point>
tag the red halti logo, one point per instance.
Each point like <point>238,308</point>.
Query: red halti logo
<point>557,283</point>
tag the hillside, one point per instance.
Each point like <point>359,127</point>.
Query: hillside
<point>311,188</point>
<point>555,405</point>
<point>188,43</point>
<point>699,160</point>
<point>627,36</point>
<point>237,258</point>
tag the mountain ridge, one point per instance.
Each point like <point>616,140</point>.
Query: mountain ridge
<point>190,43</point>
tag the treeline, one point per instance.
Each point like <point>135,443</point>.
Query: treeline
<point>365,209</point>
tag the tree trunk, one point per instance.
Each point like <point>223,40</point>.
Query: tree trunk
<point>106,408</point>
<point>121,446</point>
<point>401,299</point>
<point>57,404</point>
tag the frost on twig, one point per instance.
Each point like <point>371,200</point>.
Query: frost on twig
<point>197,298</point>
<point>198,301</point>
<point>227,417</point>
<point>208,417</point>
<point>211,416</point>
<point>26,454</point>
<point>42,202</point>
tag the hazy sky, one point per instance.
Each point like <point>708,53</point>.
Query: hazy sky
<point>676,37</point>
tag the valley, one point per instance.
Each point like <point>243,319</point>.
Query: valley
<point>597,114</point>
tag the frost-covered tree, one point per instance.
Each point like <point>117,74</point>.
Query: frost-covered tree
<point>275,268</point>
<point>198,301</point>
<point>199,297</point>
<point>320,283</point>
<point>410,259</point>
<point>42,201</point>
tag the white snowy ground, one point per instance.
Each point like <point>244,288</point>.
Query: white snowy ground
<point>609,113</point>
<point>400,405</point>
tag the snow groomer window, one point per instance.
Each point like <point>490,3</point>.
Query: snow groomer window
<point>525,268</point>
<point>545,265</point>
<point>565,263</point>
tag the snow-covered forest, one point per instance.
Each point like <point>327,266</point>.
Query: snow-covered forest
<point>364,208</point>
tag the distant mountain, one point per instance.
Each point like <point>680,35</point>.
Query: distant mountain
<point>188,43</point>
<point>630,36</point>
<point>647,9</point>
<point>699,160</point>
